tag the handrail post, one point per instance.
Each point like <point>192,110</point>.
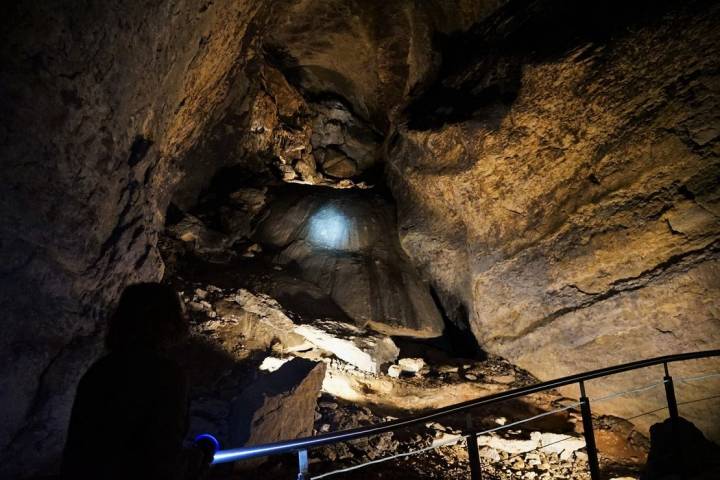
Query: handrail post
<point>303,470</point>
<point>472,447</point>
<point>589,434</point>
<point>670,394</point>
<point>296,445</point>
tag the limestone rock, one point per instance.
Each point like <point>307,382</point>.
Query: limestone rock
<point>576,218</point>
<point>201,239</point>
<point>542,441</point>
<point>371,57</point>
<point>411,365</point>
<point>279,405</point>
<point>338,165</point>
<point>95,133</point>
<point>349,146</point>
<point>366,351</point>
<point>239,216</point>
<point>261,324</point>
<point>264,320</point>
<point>270,364</point>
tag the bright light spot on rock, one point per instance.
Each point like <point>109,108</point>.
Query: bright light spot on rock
<point>271,364</point>
<point>329,228</point>
<point>341,386</point>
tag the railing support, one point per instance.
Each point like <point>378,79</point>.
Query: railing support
<point>288,446</point>
<point>473,453</point>
<point>590,445</point>
<point>303,470</point>
<point>670,394</point>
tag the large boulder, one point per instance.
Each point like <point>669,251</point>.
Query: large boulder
<point>201,240</point>
<point>279,405</point>
<point>263,320</point>
<point>366,351</point>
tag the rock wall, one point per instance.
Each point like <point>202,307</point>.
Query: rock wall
<point>571,198</point>
<point>105,110</point>
<point>99,104</point>
<point>314,102</point>
<point>563,188</point>
<point>372,53</point>
<point>345,243</point>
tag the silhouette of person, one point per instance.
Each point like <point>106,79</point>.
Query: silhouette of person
<point>129,418</point>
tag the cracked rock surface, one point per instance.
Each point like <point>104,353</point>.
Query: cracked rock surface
<point>580,219</point>
<point>99,104</point>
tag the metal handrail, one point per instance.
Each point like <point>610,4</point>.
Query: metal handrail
<point>303,444</point>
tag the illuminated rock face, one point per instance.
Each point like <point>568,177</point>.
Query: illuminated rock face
<point>569,200</point>
<point>580,220</point>
<point>346,243</point>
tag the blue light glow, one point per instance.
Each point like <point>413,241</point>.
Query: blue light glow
<point>329,228</point>
<point>207,436</point>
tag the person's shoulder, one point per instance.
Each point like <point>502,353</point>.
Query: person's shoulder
<point>99,367</point>
<point>98,374</point>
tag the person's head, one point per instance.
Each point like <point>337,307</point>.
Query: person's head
<point>148,316</point>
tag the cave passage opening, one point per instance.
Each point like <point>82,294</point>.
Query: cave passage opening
<point>322,253</point>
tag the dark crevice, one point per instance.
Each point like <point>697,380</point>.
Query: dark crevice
<point>173,215</point>
<point>279,57</point>
<point>122,225</point>
<point>685,192</point>
<point>458,339</point>
<point>664,331</point>
<point>138,150</point>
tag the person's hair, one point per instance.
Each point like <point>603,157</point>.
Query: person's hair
<point>148,315</point>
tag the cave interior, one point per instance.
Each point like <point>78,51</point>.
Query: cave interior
<point>382,207</point>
